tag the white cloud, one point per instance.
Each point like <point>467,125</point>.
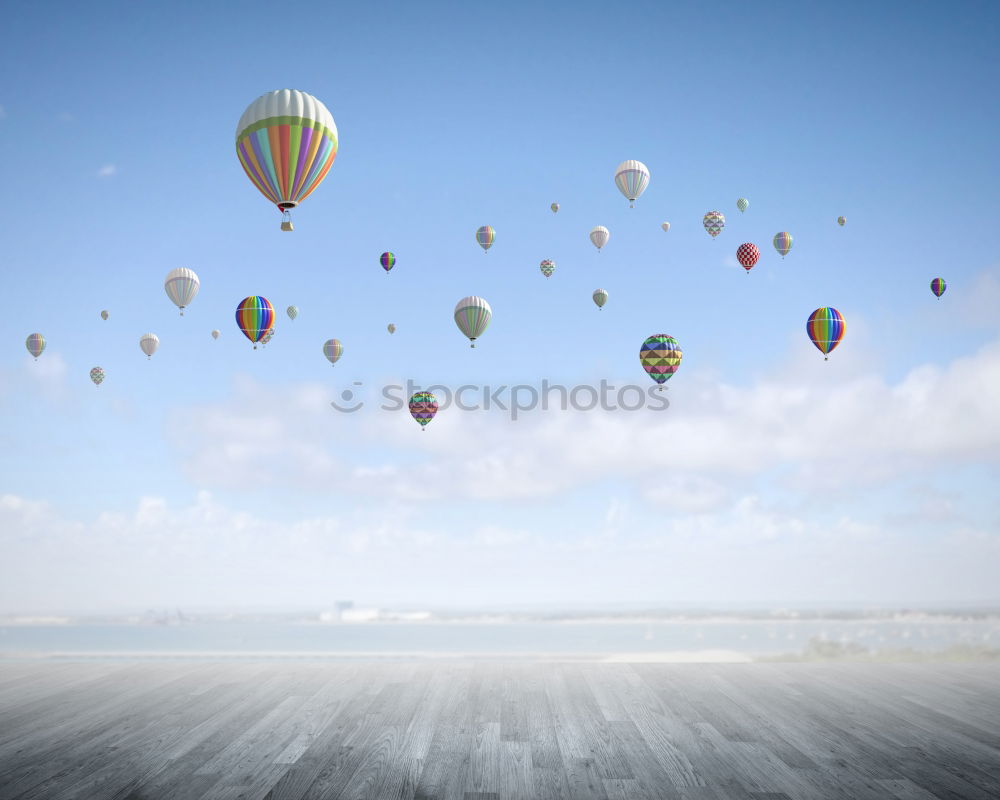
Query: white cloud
<point>107,171</point>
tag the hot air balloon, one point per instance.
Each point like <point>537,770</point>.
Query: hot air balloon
<point>149,343</point>
<point>333,350</point>
<point>660,356</point>
<point>97,375</point>
<point>391,328</point>
<point>286,141</point>
<point>825,327</point>
<point>215,334</point>
<point>632,178</point>
<point>842,221</point>
<point>783,242</point>
<point>742,204</point>
<point>105,315</point>
<point>714,222</point>
<point>473,315</point>
<point>388,261</point>
<point>547,267</point>
<point>747,254</point>
<point>181,286</point>
<point>267,337</point>
<point>35,344</point>
<point>599,236</point>
<point>665,226</point>
<point>554,207</point>
<point>600,297</point>
<point>423,407</point>
<point>486,236</point>
<point>254,316</point>
<point>938,286</point>
<point>292,311</point>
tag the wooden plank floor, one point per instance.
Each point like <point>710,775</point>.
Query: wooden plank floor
<point>285,730</point>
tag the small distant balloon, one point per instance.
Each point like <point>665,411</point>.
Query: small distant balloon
<point>747,254</point>
<point>547,267</point>
<point>599,236</point>
<point>631,178</point>
<point>181,286</point>
<point>215,334</point>
<point>423,408</point>
<point>149,344</point>
<point>486,236</point>
<point>825,327</point>
<point>742,204</point>
<point>600,297</point>
<point>714,222</point>
<point>254,316</point>
<point>472,316</point>
<point>660,355</point>
<point>391,328</point>
<point>387,260</point>
<point>554,207</point>
<point>35,344</point>
<point>105,315</point>
<point>97,375</point>
<point>938,286</point>
<point>841,221</point>
<point>292,311</point>
<point>783,242</point>
<point>665,226</point>
<point>267,336</point>
<point>333,350</point>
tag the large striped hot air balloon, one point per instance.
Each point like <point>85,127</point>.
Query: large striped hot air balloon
<point>35,344</point>
<point>660,356</point>
<point>783,242</point>
<point>473,315</point>
<point>333,349</point>
<point>486,236</point>
<point>547,267</point>
<point>599,236</point>
<point>631,178</point>
<point>387,260</point>
<point>286,141</point>
<point>254,316</point>
<point>938,286</point>
<point>825,327</point>
<point>747,254</point>
<point>181,286</point>
<point>714,222</point>
<point>423,407</point>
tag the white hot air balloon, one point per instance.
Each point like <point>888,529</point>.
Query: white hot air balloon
<point>473,315</point>
<point>665,226</point>
<point>181,286</point>
<point>632,178</point>
<point>599,236</point>
<point>149,343</point>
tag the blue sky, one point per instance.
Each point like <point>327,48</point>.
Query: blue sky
<point>212,470</point>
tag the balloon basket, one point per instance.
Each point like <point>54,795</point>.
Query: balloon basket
<point>286,225</point>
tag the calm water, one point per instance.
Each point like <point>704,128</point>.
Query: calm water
<point>521,638</point>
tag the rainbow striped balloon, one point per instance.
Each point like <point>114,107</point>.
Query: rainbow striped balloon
<point>254,316</point>
<point>333,349</point>
<point>286,141</point>
<point>660,355</point>
<point>423,407</point>
<point>825,327</point>
<point>783,242</point>
<point>938,286</point>
<point>35,344</point>
<point>486,236</point>
<point>387,260</point>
